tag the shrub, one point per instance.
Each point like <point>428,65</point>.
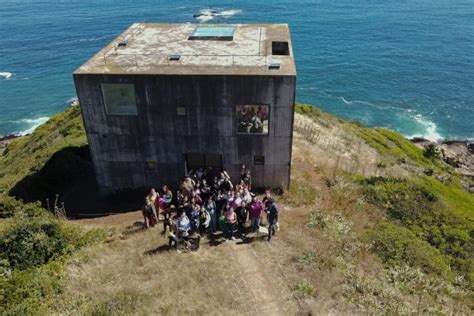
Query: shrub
<point>431,151</point>
<point>33,249</point>
<point>429,212</point>
<point>404,200</point>
<point>28,292</point>
<point>32,242</point>
<point>398,245</point>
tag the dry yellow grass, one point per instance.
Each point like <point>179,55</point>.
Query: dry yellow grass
<point>317,264</point>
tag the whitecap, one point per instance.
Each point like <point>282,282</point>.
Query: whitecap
<point>229,12</point>
<point>6,75</point>
<point>210,14</point>
<point>73,101</point>
<point>345,101</point>
<point>205,18</point>
<point>33,124</point>
<point>431,129</point>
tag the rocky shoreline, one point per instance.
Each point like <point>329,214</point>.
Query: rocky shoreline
<point>457,153</point>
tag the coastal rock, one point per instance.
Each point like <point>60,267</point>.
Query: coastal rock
<point>457,153</point>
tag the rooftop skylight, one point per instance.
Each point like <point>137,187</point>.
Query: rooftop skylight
<point>217,33</point>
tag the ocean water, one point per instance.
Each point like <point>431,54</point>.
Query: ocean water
<point>405,65</point>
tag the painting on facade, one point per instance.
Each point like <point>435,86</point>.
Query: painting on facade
<point>252,119</point>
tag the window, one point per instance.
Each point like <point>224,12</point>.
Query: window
<point>119,98</point>
<point>180,110</point>
<point>258,160</point>
<point>216,33</point>
<point>280,48</point>
<point>252,119</point>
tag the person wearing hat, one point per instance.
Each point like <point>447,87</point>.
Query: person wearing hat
<point>272,216</point>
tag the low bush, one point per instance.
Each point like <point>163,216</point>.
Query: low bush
<point>433,212</point>
<point>397,245</point>
<point>33,249</point>
<point>431,151</point>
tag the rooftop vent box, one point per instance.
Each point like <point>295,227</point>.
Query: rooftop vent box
<point>274,66</point>
<point>280,48</point>
<point>123,43</point>
<point>215,33</point>
<point>174,57</point>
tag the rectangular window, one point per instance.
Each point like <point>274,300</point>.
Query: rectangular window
<point>252,119</point>
<point>119,98</point>
<point>258,160</point>
<point>280,48</point>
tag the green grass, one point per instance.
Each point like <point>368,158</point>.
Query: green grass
<point>300,193</point>
<point>40,165</point>
<point>27,155</point>
<point>323,118</point>
<point>423,214</point>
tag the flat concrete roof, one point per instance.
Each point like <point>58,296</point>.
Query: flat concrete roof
<point>145,48</point>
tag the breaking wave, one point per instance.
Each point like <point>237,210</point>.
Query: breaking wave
<point>430,129</point>
<point>32,124</point>
<point>206,15</point>
<point>6,75</point>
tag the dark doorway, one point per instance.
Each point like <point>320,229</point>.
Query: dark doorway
<point>195,161</point>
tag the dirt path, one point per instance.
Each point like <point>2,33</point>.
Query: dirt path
<point>268,296</point>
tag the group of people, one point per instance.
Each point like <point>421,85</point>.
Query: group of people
<point>205,204</point>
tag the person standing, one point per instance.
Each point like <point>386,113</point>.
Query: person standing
<point>149,213</point>
<point>242,215</point>
<point>272,216</point>
<point>194,216</point>
<point>211,209</point>
<point>256,209</point>
<point>230,219</point>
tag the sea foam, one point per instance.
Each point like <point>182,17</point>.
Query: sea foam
<point>33,124</point>
<point>431,129</point>
<point>6,75</point>
<point>210,14</point>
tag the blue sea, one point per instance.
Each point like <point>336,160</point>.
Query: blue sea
<point>405,65</point>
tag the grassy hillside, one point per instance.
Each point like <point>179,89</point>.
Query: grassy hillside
<point>45,163</point>
<point>369,225</point>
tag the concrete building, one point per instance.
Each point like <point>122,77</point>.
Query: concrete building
<point>162,99</point>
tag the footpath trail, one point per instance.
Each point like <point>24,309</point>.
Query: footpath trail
<point>258,280</point>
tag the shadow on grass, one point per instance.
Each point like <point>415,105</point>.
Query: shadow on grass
<point>68,177</point>
<point>158,250</point>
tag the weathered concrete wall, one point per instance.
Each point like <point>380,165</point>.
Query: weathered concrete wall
<point>121,145</point>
